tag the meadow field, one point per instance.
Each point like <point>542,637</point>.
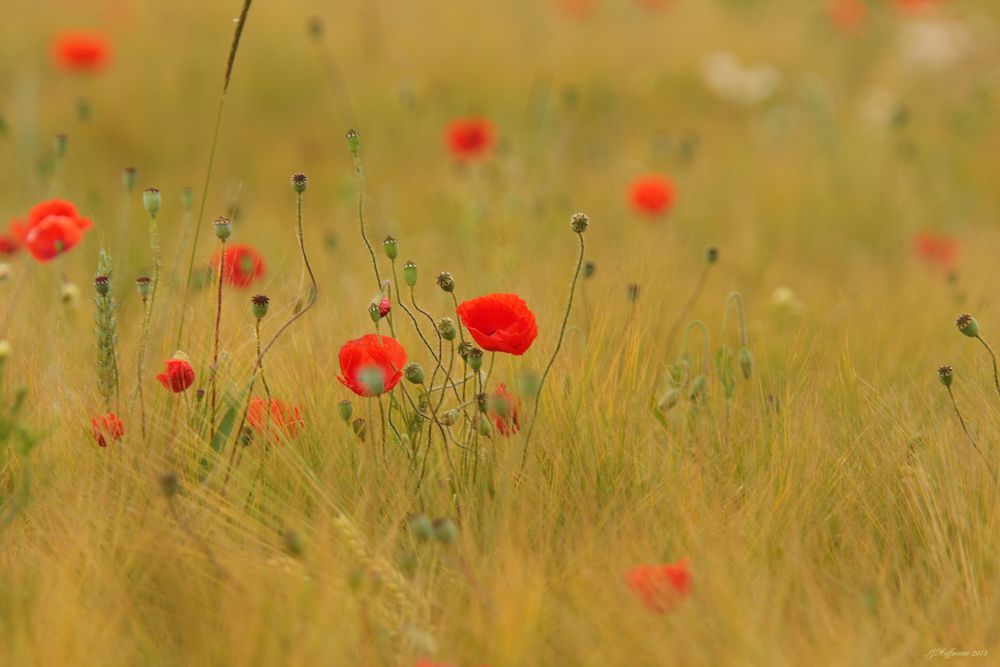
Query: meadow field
<point>499,334</point>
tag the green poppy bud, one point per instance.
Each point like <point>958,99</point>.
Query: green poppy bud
<point>353,142</point>
<point>746,362</point>
<point>446,327</point>
<point>483,426</point>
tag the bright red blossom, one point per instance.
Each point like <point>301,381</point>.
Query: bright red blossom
<point>52,228</point>
<point>105,427</point>
<point>660,587</point>
<point>938,249</point>
<point>284,418</point>
<point>652,195</point>
<point>469,138</point>
<point>500,323</point>
<point>243,267</point>
<point>503,409</point>
<point>371,356</point>
<point>81,51</point>
<point>177,375</point>
<point>8,244</point>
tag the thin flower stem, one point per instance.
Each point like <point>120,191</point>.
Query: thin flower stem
<point>359,171</point>
<point>215,349</point>
<point>968,435</point>
<point>562,333</point>
<point>692,300</point>
<point>993,355</point>
<point>141,367</point>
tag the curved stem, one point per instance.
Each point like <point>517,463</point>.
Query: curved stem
<point>996,373</point>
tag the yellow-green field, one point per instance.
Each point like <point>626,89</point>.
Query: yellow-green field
<point>827,502</point>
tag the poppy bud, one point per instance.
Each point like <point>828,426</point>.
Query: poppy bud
<point>449,418</point>
<point>579,222</point>
<point>360,428</point>
<point>589,268</point>
<point>446,282</point>
<point>223,228</point>
<point>414,373</point>
<point>129,175</point>
<point>968,325</point>
<point>61,142</point>
<point>474,358</point>
<point>143,284</point>
<point>698,387</point>
<point>746,362</point>
<point>169,484</point>
<point>4,350</point>
<point>391,247</point>
<point>482,402</point>
<point>353,142</point>
<point>632,291</point>
<point>946,375</point>
<point>410,273</point>
<point>384,306</point>
<point>711,254</point>
<point>102,284</point>
<point>294,544</point>
<point>483,426</point>
<point>668,400</point>
<point>446,327</point>
<point>420,527</point>
<point>187,199</point>
<point>346,410</point>
<point>464,349</point>
<point>445,531</point>
<point>151,200</point>
<point>299,182</point>
<point>373,312</point>
<point>259,304</point>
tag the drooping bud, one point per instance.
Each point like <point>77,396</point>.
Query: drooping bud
<point>968,325</point>
<point>102,284</point>
<point>446,327</point>
<point>445,531</point>
<point>746,362</point>
<point>129,177</point>
<point>384,306</point>
<point>711,254</point>
<point>946,374</point>
<point>414,372</point>
<point>474,358</point>
<point>420,527</point>
<point>143,284</point>
<point>446,282</point>
<point>151,201</point>
<point>353,142</point>
<point>410,273</point>
<point>187,199</point>
<point>589,268</point>
<point>391,247</point>
<point>223,228</point>
<point>346,410</point>
<point>259,304</point>
<point>299,182</point>
<point>579,222</point>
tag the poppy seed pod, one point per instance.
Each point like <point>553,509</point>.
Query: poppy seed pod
<point>482,402</point>
<point>102,284</point>
<point>223,228</point>
<point>449,418</point>
<point>446,327</point>
<point>445,531</point>
<point>946,374</point>
<point>446,282</point>
<point>410,273</point>
<point>373,312</point>
<point>420,527</point>
<point>391,247</point>
<point>711,254</point>
<point>414,372</point>
<point>151,200</point>
<point>346,410</point>
<point>968,325</point>
<point>360,428</point>
<point>129,177</point>
<point>579,222</point>
<point>259,304</point>
<point>372,380</point>
<point>143,284</point>
<point>353,142</point>
<point>746,362</point>
<point>299,182</point>
<point>464,349</point>
<point>474,358</point>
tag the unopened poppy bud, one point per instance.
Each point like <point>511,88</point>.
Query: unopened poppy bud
<point>143,284</point>
<point>299,182</point>
<point>711,254</point>
<point>151,200</point>
<point>346,410</point>
<point>4,349</point>
<point>353,142</point>
<point>129,177</point>
<point>589,268</point>
<point>410,273</point>
<point>187,199</point>
<point>483,426</point>
<point>384,306</point>
<point>446,282</point>
<point>373,312</point>
<point>169,484</point>
<point>968,325</point>
<point>446,327</point>
<point>464,349</point>
<point>391,247</point>
<point>295,546</point>
<point>223,228</point>
<point>668,400</point>
<point>946,374</point>
<point>360,428</point>
<point>482,402</point>
<point>102,284</point>
<point>449,418</point>
<point>259,304</point>
<point>445,531</point>
<point>61,142</point>
<point>697,387</point>
<point>579,222</point>
<point>414,372</point>
<point>632,291</point>
<point>746,362</point>
<point>474,358</point>
<point>420,527</point>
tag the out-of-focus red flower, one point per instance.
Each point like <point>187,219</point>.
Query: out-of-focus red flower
<point>503,409</point>
<point>660,587</point>
<point>469,138</point>
<point>371,365</point>
<point>284,418</point>
<point>8,244</point>
<point>653,5</point>
<point>579,9</point>
<point>177,375</point>
<point>652,195</point>
<point>847,15</point>
<point>52,228</point>
<point>937,249</point>
<point>105,427</point>
<point>79,51</point>
<point>499,323</point>
<point>914,6</point>
<point>243,266</point>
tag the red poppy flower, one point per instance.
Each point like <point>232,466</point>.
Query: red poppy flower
<point>177,375</point>
<point>937,249</point>
<point>371,365</point>
<point>105,427</point>
<point>469,138</point>
<point>8,244</point>
<point>579,9</point>
<point>500,323</point>
<point>914,6</point>
<point>847,15</point>
<point>284,418</point>
<point>503,410</point>
<point>660,587</point>
<point>53,227</point>
<point>652,195</point>
<point>244,265</point>
<point>81,51</point>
